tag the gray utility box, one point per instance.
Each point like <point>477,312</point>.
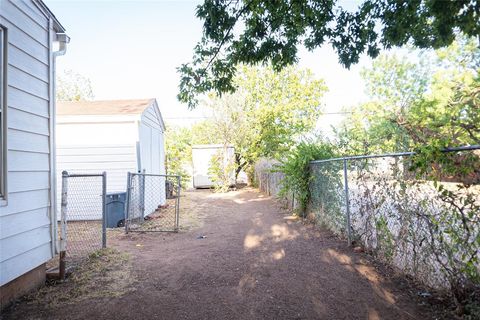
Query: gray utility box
<point>116,209</point>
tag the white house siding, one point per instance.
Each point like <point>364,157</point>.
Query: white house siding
<point>25,238</point>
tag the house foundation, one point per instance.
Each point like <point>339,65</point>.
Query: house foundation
<point>22,285</point>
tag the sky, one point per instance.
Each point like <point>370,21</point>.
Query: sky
<point>131,49</point>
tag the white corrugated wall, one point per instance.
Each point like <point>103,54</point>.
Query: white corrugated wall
<point>89,144</point>
<point>93,144</point>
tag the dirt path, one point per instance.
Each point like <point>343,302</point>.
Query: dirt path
<point>255,263</point>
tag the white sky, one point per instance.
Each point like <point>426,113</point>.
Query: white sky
<point>131,49</point>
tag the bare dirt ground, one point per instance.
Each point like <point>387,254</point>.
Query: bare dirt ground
<point>253,262</point>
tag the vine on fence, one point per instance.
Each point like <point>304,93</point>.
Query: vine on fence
<point>455,233</point>
<point>295,167</point>
<point>326,203</point>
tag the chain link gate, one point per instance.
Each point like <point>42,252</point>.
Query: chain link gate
<point>83,216</point>
<point>153,203</point>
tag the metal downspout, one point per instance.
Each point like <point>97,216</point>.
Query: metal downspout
<point>63,39</point>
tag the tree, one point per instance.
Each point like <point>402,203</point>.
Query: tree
<point>269,113</point>
<point>448,115</point>
<point>178,148</point>
<point>204,132</point>
<point>393,84</point>
<point>72,86</point>
<point>417,104</point>
<point>227,121</point>
<point>252,32</point>
<point>281,107</point>
<point>230,125</point>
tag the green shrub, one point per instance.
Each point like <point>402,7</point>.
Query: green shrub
<point>296,166</point>
<point>220,171</point>
<point>178,149</point>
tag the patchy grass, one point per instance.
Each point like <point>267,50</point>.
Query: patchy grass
<point>106,273</point>
<point>191,213</point>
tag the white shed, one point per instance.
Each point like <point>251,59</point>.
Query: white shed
<point>202,155</point>
<point>28,31</point>
<point>116,136</point>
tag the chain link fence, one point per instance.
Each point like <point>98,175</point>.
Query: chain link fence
<point>153,203</point>
<point>327,196</point>
<point>430,230</point>
<point>269,182</point>
<point>83,216</point>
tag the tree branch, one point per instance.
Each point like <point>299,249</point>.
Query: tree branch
<point>239,14</point>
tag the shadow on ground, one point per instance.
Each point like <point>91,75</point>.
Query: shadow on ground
<point>239,256</point>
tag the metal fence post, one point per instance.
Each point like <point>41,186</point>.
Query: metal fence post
<point>104,209</point>
<point>269,177</point>
<point>63,226</point>
<point>141,182</point>
<point>152,203</point>
<point>127,200</point>
<point>179,187</point>
<point>347,202</point>
<point>293,200</point>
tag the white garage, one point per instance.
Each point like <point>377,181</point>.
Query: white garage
<point>117,136</point>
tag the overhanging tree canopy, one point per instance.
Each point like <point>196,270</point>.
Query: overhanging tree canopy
<point>259,31</point>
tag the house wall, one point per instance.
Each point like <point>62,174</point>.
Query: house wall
<point>25,235</point>
<point>16,288</point>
